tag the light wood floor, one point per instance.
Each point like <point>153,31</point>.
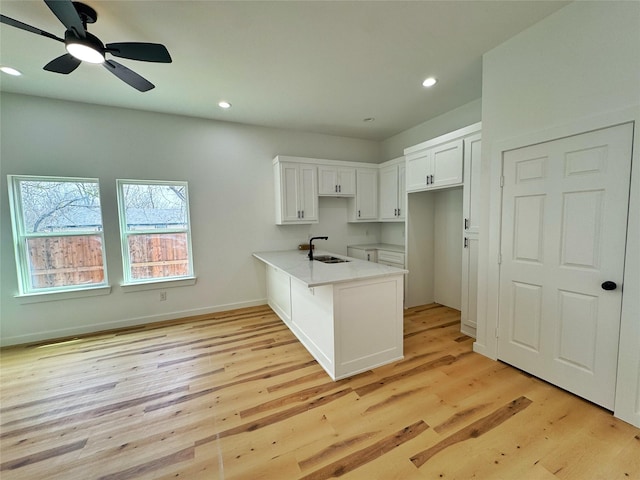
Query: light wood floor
<point>235,396</point>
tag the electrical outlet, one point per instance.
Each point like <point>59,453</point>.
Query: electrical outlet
<point>163,296</point>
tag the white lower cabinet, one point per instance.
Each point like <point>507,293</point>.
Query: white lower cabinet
<point>370,255</point>
<point>393,259</point>
<point>469,286</point>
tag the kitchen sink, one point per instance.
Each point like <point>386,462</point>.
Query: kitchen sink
<point>329,259</point>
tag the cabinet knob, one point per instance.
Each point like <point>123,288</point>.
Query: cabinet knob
<point>609,285</point>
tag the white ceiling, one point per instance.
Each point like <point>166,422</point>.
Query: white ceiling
<point>314,66</point>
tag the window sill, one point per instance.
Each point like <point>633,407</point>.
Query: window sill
<point>157,284</point>
<point>66,295</point>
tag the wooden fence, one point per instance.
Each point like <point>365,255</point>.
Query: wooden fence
<point>77,260</point>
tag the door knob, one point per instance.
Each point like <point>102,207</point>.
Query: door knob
<point>609,285</point>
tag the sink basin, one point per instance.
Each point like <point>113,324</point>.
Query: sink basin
<point>329,259</point>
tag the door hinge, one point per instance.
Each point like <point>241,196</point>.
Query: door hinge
<point>497,332</point>
<point>502,181</point>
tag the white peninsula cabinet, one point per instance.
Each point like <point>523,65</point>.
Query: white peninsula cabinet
<point>349,315</point>
<point>296,190</point>
<point>392,192</point>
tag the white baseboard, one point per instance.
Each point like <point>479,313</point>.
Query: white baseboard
<point>127,322</point>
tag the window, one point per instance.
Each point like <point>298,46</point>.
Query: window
<point>155,231</point>
<point>57,231</point>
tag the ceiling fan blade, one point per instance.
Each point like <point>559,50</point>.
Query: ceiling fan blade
<point>128,76</point>
<point>67,14</point>
<point>146,52</point>
<point>23,26</point>
<point>66,63</point>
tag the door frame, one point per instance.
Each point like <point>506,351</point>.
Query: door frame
<point>627,402</point>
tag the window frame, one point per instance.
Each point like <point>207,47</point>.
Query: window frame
<point>129,283</point>
<point>21,237</point>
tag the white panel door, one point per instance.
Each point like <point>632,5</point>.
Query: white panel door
<point>564,216</point>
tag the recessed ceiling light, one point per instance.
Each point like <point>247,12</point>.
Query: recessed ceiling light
<point>224,104</point>
<point>429,82</point>
<point>10,71</point>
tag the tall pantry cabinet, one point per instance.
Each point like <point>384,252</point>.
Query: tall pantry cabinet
<point>442,232</point>
<point>470,205</point>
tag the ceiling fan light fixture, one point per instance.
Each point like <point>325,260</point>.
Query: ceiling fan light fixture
<point>88,49</point>
<point>85,53</point>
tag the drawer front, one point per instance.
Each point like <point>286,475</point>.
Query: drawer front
<point>386,257</point>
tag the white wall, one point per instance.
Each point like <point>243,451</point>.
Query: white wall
<point>467,114</point>
<point>229,170</point>
<point>447,247</point>
<point>577,70</point>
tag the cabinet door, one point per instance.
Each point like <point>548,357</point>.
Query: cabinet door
<point>366,194</point>
<point>402,191</point>
<point>327,180</point>
<point>336,181</point>
<point>446,164</point>
<point>308,193</point>
<point>418,167</point>
<point>469,285</point>
<point>289,184</point>
<point>471,192</point>
<point>388,192</point>
<point>347,181</point>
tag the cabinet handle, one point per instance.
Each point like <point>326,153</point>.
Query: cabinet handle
<point>340,188</point>
<point>398,212</point>
<point>336,188</point>
<point>466,242</point>
<point>466,224</point>
<point>298,213</point>
<point>427,179</point>
<point>395,212</point>
<point>368,257</point>
<point>432,179</point>
<point>358,213</point>
<point>302,211</point>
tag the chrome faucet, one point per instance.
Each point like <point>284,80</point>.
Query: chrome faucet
<point>311,245</point>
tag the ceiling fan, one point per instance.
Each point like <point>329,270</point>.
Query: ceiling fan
<point>83,46</point>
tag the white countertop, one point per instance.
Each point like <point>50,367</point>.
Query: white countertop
<point>314,273</point>
<point>379,246</point>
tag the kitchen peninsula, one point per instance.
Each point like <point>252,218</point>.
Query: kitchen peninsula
<point>349,315</point>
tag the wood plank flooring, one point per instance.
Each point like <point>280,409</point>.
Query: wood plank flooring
<point>235,396</point>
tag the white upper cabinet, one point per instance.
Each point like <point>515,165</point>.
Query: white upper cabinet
<point>336,181</point>
<point>392,192</point>
<point>446,165</point>
<point>364,207</point>
<point>434,167</point>
<point>296,192</point>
